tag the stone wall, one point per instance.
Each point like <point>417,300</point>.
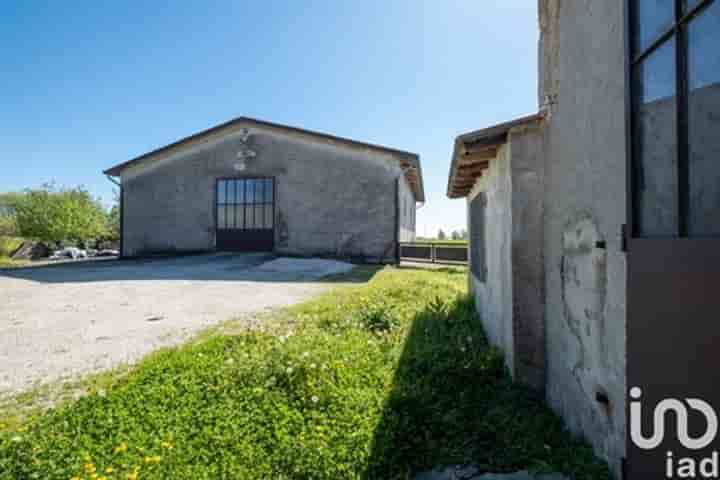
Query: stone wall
<point>330,200</point>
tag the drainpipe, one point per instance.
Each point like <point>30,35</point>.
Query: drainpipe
<point>397,221</point>
<point>122,212</point>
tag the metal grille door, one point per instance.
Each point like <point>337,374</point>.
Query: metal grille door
<point>245,214</point>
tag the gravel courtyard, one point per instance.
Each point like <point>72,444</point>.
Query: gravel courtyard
<point>61,321</point>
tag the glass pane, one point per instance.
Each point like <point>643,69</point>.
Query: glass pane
<point>239,215</point>
<point>241,191</point>
<point>259,216</point>
<point>221,191</point>
<point>231,191</point>
<point>704,123</point>
<point>249,217</point>
<point>268,191</point>
<point>652,19</point>
<point>260,191</point>
<point>268,216</point>
<point>221,216</point>
<point>230,220</point>
<point>656,183</point>
<point>249,191</point>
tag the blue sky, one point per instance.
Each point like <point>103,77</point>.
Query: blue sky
<point>86,85</point>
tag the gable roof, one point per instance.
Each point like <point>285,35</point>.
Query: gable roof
<point>474,150</point>
<point>409,162</point>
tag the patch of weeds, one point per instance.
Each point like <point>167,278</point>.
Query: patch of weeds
<point>377,317</point>
<point>7,262</point>
<point>376,381</point>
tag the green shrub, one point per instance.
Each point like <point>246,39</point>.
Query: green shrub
<point>8,245</point>
<point>8,226</point>
<point>51,214</point>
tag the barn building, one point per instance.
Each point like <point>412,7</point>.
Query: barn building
<point>251,185</point>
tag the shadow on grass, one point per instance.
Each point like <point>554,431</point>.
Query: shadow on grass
<point>226,267</point>
<point>453,403</point>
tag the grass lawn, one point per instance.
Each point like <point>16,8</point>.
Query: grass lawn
<point>373,381</point>
<point>6,262</point>
<point>8,245</point>
<point>442,242</point>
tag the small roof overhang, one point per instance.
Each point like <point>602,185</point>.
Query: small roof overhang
<point>474,150</point>
<point>409,162</point>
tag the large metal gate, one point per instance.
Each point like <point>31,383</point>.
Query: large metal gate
<point>673,244</point>
<point>245,214</point>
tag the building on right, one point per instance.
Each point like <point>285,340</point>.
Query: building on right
<point>594,224</point>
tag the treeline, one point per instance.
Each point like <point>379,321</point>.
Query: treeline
<point>57,215</point>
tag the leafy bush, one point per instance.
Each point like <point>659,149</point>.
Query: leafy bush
<point>53,215</point>
<point>315,394</point>
<point>8,226</point>
<point>8,245</point>
<point>113,219</point>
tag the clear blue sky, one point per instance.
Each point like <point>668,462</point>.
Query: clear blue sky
<point>86,85</point>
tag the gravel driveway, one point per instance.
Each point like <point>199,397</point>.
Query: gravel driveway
<point>61,321</point>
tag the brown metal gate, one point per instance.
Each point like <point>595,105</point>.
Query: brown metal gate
<point>673,249</point>
<point>245,214</point>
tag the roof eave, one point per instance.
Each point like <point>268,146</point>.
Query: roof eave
<point>486,140</point>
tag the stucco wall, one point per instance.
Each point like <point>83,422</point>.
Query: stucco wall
<point>494,297</point>
<point>527,167</point>
<point>582,84</point>
<point>510,301</point>
<point>406,205</point>
<point>329,200</point>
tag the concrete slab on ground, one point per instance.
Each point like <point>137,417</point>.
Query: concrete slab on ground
<point>65,320</point>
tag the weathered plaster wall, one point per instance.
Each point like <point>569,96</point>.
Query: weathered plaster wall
<point>406,205</point>
<point>582,85</point>
<point>527,167</point>
<point>510,301</point>
<point>329,200</point>
<point>494,296</point>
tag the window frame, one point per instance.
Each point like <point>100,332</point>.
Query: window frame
<point>678,30</point>
<point>478,240</point>
<point>245,206</point>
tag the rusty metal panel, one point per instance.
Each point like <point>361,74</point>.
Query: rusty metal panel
<point>673,346</point>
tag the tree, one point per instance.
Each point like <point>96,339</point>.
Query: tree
<point>455,235</point>
<point>8,224</point>
<point>441,235</point>
<point>113,220</point>
<point>53,215</point>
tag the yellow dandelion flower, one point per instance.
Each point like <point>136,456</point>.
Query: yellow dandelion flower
<point>121,448</point>
<point>109,470</point>
<point>167,445</point>
<point>89,467</point>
